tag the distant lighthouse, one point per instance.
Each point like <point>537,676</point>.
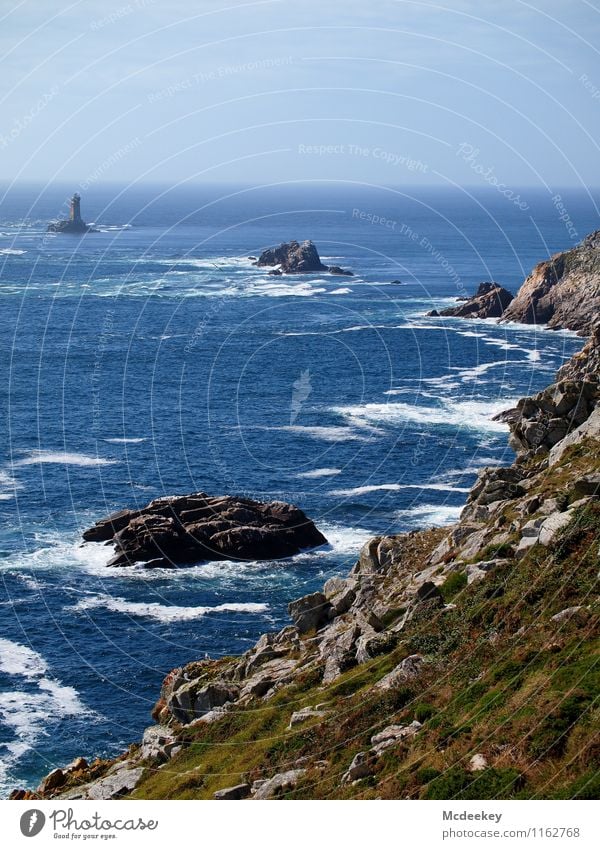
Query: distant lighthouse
<point>74,224</point>
<point>75,207</point>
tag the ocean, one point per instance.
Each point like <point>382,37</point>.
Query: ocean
<point>153,358</point>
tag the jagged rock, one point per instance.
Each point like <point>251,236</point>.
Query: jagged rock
<point>270,676</point>
<point>341,593</point>
<point>453,541</point>
<point>552,294</point>
<point>310,612</point>
<point>304,714</point>
<point>240,791</point>
<point>338,649</point>
<point>279,784</point>
<point>361,767</point>
<point>477,763</point>
<point>296,258</point>
<point>407,670</point>
<point>52,781</point>
<point>191,701</point>
<point>490,301</point>
<point>192,528</point>
<point>158,743</point>
<point>478,571</point>
<point>120,779</point>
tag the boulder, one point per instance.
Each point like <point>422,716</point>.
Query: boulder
<point>299,717</point>
<point>279,784</point>
<point>310,612</point>
<point>361,767</point>
<point>194,528</point>
<point>406,671</point>
<point>239,791</point>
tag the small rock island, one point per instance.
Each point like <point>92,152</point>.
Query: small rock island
<point>296,258</point>
<point>175,530</point>
<point>74,224</point>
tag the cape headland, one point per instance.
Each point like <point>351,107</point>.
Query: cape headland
<point>74,224</point>
<point>451,663</point>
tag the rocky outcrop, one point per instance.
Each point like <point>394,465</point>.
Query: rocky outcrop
<point>296,258</point>
<point>540,423</point>
<point>563,291</point>
<point>490,301</point>
<point>198,527</point>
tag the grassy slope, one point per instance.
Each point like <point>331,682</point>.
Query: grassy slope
<point>501,678</point>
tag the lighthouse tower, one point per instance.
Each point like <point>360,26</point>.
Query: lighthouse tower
<point>75,213</point>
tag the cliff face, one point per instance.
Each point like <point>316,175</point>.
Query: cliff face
<point>562,292</point>
<point>450,663</point>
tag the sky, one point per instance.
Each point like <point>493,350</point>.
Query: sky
<point>393,92</point>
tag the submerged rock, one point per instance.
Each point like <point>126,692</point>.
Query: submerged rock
<point>199,527</point>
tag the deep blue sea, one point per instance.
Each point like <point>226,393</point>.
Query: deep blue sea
<point>153,358</point>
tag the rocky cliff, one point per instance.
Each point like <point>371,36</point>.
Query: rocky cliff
<point>563,291</point>
<point>459,662</point>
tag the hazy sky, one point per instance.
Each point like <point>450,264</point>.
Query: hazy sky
<point>378,91</point>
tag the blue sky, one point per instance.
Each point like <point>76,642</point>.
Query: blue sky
<point>411,93</point>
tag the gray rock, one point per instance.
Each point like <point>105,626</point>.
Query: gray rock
<point>157,743</point>
<point>407,670</point>
<point>392,735</point>
<point>552,525</point>
<point>239,791</point>
<point>361,767</point>
<point>369,646</point>
<point>310,612</point>
<point>279,784</point>
<point>304,714</point>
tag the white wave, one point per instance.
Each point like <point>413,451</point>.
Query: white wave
<point>116,440</point>
<point>330,433</point>
<point>66,458</point>
<point>430,514</point>
<point>16,659</point>
<point>343,291</point>
<point>476,415</point>
<point>319,473</point>
<point>395,487</point>
<point>11,252</point>
<point>163,612</point>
